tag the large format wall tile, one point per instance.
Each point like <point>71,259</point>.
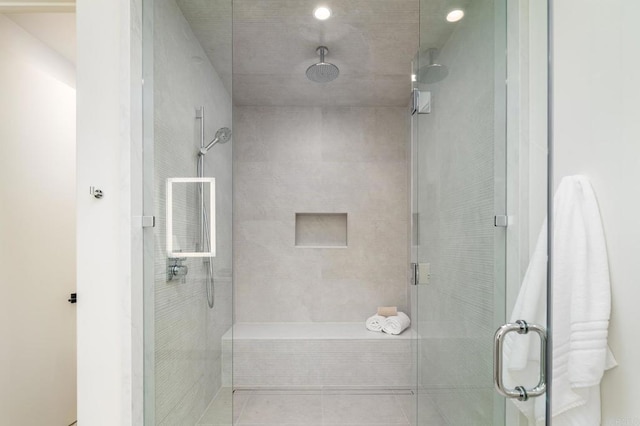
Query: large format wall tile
<point>319,160</point>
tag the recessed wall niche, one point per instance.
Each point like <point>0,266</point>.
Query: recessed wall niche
<point>321,230</point>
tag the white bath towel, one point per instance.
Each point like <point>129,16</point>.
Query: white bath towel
<point>581,309</point>
<point>396,324</point>
<point>374,323</point>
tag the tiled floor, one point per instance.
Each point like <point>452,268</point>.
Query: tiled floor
<point>316,408</point>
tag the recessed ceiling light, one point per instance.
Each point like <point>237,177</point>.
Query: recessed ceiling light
<point>322,13</point>
<point>455,15</point>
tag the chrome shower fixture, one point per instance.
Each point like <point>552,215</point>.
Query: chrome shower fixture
<point>322,72</point>
<point>433,72</point>
<point>222,136</point>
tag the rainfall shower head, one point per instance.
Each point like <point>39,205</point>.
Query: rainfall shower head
<point>222,136</point>
<point>433,72</point>
<point>322,72</point>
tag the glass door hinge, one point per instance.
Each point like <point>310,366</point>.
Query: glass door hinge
<point>421,273</point>
<point>500,221</point>
<point>414,274</point>
<point>148,221</point>
<point>420,102</point>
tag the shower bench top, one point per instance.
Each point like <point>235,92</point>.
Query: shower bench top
<point>309,331</point>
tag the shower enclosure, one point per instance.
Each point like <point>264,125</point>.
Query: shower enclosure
<point>406,167</point>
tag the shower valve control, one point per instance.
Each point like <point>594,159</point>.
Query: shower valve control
<point>175,269</point>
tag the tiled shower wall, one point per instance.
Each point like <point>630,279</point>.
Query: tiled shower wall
<point>187,332</point>
<point>292,160</point>
<point>456,208</point>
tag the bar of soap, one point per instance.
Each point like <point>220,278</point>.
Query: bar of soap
<point>388,311</point>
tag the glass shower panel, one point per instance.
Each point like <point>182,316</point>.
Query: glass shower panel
<point>188,208</point>
<point>321,217</point>
<point>479,197</point>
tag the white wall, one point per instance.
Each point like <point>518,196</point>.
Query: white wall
<point>37,231</point>
<point>597,133</point>
<point>109,230</point>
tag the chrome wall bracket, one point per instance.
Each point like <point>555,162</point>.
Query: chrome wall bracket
<point>420,101</point>
<point>519,392</point>
<point>500,221</point>
<point>415,274</point>
<point>420,273</point>
<point>97,193</point>
<point>148,221</point>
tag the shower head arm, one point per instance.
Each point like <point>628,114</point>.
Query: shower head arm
<point>322,50</point>
<point>206,149</point>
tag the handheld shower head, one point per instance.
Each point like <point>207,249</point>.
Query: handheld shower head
<point>223,135</point>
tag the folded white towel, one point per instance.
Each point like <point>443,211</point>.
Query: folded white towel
<point>396,324</point>
<point>374,323</point>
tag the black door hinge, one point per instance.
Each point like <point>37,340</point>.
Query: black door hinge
<point>73,298</point>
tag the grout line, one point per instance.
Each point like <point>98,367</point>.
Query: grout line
<point>244,406</point>
<point>209,406</point>
<point>395,398</point>
<point>437,408</point>
<point>328,390</point>
<point>182,398</point>
<point>322,402</point>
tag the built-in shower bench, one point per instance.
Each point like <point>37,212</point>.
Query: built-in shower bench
<point>316,355</point>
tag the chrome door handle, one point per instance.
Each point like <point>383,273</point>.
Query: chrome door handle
<point>520,392</point>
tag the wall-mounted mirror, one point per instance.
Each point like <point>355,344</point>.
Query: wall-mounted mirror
<point>186,197</point>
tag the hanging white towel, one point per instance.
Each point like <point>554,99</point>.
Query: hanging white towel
<point>396,324</point>
<point>581,310</point>
<point>374,323</point>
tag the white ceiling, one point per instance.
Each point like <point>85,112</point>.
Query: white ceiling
<point>274,42</point>
<point>56,30</point>
<point>371,41</point>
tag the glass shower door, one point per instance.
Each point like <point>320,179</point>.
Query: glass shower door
<point>465,163</point>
